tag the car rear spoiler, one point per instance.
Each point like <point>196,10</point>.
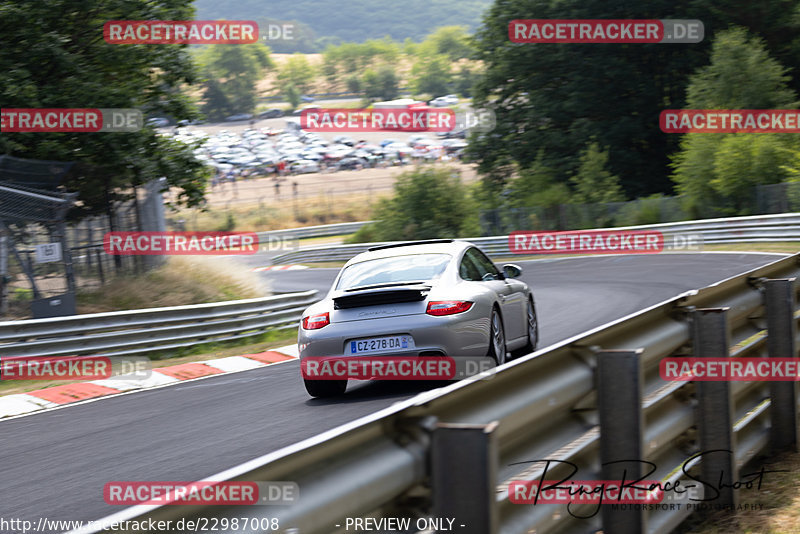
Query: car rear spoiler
<point>379,296</point>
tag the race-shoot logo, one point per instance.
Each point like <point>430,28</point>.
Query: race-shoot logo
<point>730,121</point>
<point>202,493</point>
<point>180,32</point>
<point>730,369</point>
<point>180,243</point>
<point>28,120</point>
<point>376,120</point>
<point>605,31</point>
<point>394,367</point>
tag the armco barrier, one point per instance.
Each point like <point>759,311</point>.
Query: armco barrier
<point>313,231</point>
<point>590,399</point>
<point>266,237</point>
<point>151,330</point>
<point>762,228</point>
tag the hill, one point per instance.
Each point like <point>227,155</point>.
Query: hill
<point>353,20</point>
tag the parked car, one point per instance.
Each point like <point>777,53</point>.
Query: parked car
<point>239,117</point>
<point>344,140</point>
<point>187,122</point>
<point>273,113</point>
<point>440,297</point>
<point>158,122</point>
<point>304,166</point>
<point>300,110</point>
<point>444,101</point>
<point>350,163</point>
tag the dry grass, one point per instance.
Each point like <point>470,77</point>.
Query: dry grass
<point>778,495</point>
<point>785,247</point>
<point>183,280</point>
<point>278,216</point>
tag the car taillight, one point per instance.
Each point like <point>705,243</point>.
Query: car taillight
<point>314,322</point>
<point>447,307</point>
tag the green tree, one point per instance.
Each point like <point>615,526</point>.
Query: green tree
<point>297,71</point>
<point>729,81</point>
<point>464,81</point>
<point>292,95</point>
<point>561,96</point>
<point>53,55</point>
<point>231,75</point>
<point>537,185</point>
<point>593,183</point>
<point>380,84</point>
<point>354,83</point>
<point>427,203</point>
<point>432,75</point>
<point>452,41</point>
<point>792,168</point>
<point>330,68</point>
<point>717,172</point>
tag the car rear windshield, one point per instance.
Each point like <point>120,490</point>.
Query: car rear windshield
<point>395,269</point>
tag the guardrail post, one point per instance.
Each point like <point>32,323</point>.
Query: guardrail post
<point>711,339</point>
<point>464,462</point>
<point>619,403</point>
<point>780,302</point>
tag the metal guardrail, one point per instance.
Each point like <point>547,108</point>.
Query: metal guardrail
<point>591,399</point>
<point>762,228</point>
<point>324,230</point>
<point>150,330</point>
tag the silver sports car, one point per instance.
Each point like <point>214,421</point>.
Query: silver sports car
<point>439,297</point>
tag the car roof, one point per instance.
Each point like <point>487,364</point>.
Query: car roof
<point>432,246</point>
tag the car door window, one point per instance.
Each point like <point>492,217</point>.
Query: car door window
<point>486,265</point>
<point>483,266</point>
<point>468,270</point>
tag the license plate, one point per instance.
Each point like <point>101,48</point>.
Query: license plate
<point>380,344</point>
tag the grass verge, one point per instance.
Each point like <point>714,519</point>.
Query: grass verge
<point>182,280</point>
<point>279,216</point>
<point>780,513</point>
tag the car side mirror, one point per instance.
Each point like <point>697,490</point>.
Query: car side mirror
<point>511,271</point>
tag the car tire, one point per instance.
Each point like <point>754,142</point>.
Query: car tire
<point>497,338</point>
<point>532,321</point>
<point>325,388</point>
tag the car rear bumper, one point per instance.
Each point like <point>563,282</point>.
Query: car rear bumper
<point>464,334</point>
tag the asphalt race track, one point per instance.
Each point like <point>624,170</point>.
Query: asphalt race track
<point>55,464</point>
